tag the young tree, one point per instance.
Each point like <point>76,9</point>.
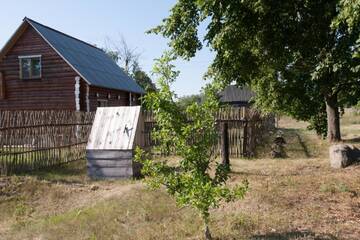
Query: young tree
<point>196,180</point>
<point>301,56</point>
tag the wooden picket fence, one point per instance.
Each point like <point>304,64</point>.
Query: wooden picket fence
<point>246,128</point>
<point>36,139</point>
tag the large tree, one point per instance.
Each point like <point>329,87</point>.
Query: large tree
<point>301,56</point>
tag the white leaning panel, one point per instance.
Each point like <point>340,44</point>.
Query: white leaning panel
<point>114,128</point>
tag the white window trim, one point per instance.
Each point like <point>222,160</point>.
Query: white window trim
<point>30,56</point>
<point>20,68</point>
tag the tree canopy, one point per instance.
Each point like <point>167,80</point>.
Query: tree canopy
<point>301,56</point>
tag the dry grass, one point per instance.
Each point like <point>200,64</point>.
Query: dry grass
<point>297,197</point>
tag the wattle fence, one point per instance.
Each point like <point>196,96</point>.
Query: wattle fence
<point>246,127</point>
<point>32,140</point>
<point>37,139</point>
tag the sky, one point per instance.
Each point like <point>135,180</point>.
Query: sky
<point>93,21</point>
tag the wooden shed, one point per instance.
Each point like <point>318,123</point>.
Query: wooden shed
<point>115,133</point>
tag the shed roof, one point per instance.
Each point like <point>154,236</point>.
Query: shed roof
<point>114,128</point>
<point>90,62</point>
<point>236,94</point>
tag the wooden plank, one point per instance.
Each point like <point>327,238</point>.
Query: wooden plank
<point>101,163</point>
<point>2,86</point>
<point>108,154</point>
<point>121,172</point>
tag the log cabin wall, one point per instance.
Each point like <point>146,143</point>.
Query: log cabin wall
<point>55,89</point>
<point>97,94</point>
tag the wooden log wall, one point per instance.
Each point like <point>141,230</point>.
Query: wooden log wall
<point>55,89</point>
<point>32,140</point>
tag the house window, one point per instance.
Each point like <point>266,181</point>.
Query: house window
<point>30,67</point>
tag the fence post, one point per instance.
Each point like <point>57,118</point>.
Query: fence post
<point>225,144</point>
<point>245,139</point>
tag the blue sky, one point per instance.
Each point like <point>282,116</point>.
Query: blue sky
<point>94,20</point>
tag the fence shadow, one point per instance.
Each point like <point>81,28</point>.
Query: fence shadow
<point>292,235</point>
<point>67,173</point>
<point>294,135</point>
<point>352,140</point>
<point>303,145</point>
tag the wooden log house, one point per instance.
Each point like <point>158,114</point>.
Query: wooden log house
<point>44,69</point>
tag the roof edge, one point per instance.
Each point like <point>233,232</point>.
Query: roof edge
<point>43,37</point>
<point>12,40</point>
<point>29,20</point>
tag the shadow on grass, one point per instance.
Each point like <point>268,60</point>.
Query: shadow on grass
<point>242,173</point>
<point>303,145</point>
<point>293,235</point>
<point>352,140</point>
<point>295,135</point>
<point>68,173</point>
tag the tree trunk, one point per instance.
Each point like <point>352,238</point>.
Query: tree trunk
<point>333,119</point>
<point>207,233</point>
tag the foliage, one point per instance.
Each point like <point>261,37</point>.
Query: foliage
<point>184,102</point>
<point>299,55</point>
<point>128,59</point>
<point>122,54</point>
<point>143,79</point>
<point>191,181</point>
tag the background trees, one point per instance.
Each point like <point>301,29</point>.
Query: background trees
<point>128,59</point>
<point>186,101</point>
<point>302,57</point>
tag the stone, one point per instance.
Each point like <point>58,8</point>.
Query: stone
<point>340,156</point>
<point>94,187</point>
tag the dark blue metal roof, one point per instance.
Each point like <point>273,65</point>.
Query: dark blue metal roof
<point>233,93</point>
<point>92,63</point>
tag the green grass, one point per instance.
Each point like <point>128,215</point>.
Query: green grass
<point>142,214</point>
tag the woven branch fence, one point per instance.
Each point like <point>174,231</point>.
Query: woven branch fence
<point>246,127</point>
<point>32,140</point>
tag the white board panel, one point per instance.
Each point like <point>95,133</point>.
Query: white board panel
<point>114,128</point>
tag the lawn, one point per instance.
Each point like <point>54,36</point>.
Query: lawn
<point>297,197</point>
